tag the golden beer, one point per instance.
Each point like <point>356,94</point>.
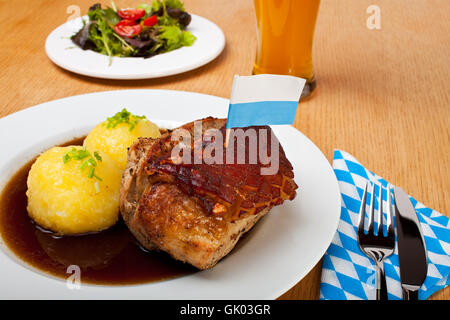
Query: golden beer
<point>285,31</point>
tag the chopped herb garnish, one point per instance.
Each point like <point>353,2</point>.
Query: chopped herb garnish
<point>89,161</point>
<point>124,116</point>
<point>97,156</point>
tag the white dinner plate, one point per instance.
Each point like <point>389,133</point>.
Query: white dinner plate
<point>281,249</point>
<point>63,52</point>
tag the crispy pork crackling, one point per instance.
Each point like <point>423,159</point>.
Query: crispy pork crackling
<point>198,212</point>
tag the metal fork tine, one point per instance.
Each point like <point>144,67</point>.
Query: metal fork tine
<point>362,211</point>
<point>380,211</point>
<point>376,246</point>
<point>390,219</point>
<point>372,210</point>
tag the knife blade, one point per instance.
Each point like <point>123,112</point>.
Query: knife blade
<point>412,254</point>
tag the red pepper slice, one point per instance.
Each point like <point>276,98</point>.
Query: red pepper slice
<point>127,28</point>
<point>150,21</point>
<point>131,13</point>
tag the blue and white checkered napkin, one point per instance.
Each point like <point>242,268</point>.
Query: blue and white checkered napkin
<point>347,273</point>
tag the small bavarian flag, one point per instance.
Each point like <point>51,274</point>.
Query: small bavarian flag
<point>264,99</point>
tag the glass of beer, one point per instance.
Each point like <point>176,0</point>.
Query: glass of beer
<point>285,31</point>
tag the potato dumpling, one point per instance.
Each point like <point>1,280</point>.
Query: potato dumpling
<point>114,136</point>
<point>72,191</point>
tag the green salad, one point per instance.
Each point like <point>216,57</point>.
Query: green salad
<point>144,31</point>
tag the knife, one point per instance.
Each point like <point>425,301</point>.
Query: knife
<point>412,253</point>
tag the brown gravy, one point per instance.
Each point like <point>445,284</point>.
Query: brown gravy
<point>109,257</point>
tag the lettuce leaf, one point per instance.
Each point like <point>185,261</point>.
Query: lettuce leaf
<point>157,4</point>
<point>175,4</point>
<point>175,37</point>
<point>147,7</point>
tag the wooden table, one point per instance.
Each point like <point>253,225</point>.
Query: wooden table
<point>383,95</point>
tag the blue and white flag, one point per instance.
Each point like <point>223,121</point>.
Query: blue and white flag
<point>264,99</point>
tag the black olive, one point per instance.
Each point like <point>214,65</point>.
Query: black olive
<point>95,7</point>
<point>174,12</point>
<point>160,12</point>
<point>184,19</point>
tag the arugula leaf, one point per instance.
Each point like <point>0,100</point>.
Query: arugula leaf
<point>111,17</point>
<point>103,36</point>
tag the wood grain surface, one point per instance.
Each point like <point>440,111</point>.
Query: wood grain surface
<point>383,95</point>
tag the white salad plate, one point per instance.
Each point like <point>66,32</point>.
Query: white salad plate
<point>63,52</point>
<point>277,253</point>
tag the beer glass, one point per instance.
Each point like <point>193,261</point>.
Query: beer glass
<point>285,31</point>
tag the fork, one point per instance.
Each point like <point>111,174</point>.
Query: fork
<point>377,246</point>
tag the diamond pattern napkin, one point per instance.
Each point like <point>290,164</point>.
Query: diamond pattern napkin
<point>347,273</point>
